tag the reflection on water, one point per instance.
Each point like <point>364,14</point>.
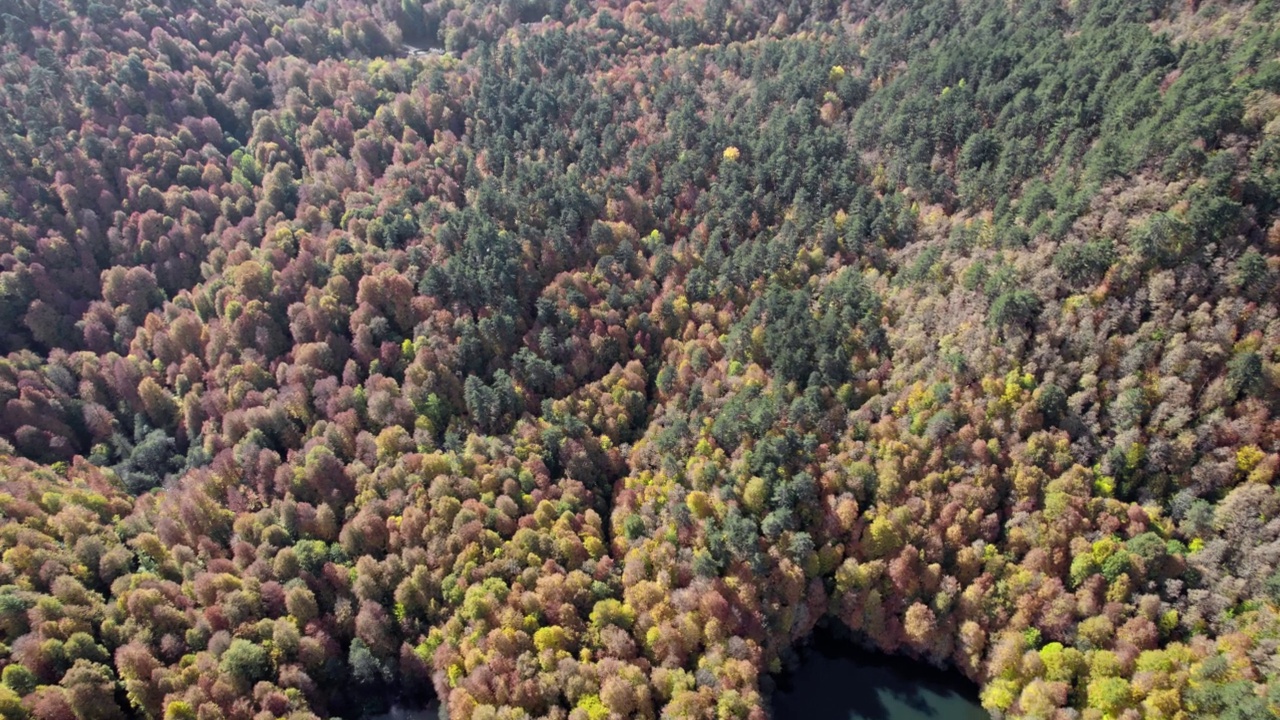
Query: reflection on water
<point>836,680</point>
<point>430,711</point>
<point>419,50</point>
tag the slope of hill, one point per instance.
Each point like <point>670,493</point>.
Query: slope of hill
<point>579,370</point>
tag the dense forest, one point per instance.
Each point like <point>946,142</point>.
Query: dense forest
<point>580,367</point>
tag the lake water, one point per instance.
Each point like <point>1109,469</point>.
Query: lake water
<point>431,711</point>
<point>420,50</point>
<point>836,680</point>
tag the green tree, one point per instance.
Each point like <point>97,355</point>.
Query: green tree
<point>245,661</point>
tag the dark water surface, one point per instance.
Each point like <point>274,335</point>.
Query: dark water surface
<point>430,711</point>
<point>836,680</point>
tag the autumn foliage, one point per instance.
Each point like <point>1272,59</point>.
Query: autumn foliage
<point>581,364</point>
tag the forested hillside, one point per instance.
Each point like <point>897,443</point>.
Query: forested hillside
<point>580,366</point>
